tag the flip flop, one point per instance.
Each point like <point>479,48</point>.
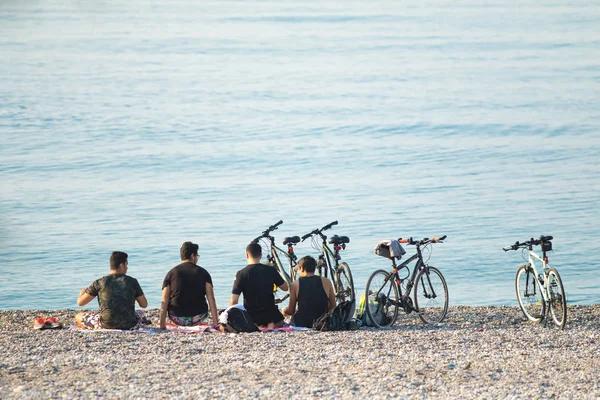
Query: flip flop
<point>52,323</point>
<point>38,323</point>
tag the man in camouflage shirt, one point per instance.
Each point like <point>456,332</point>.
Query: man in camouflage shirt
<point>117,294</point>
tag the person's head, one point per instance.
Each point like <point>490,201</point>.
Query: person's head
<point>307,265</point>
<point>189,252</point>
<point>118,259</point>
<point>253,252</point>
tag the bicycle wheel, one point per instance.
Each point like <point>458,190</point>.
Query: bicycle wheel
<point>431,295</point>
<point>381,299</point>
<point>345,286</point>
<point>558,300</point>
<point>529,294</point>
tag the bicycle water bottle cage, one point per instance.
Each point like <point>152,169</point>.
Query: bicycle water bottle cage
<point>292,240</point>
<point>335,239</point>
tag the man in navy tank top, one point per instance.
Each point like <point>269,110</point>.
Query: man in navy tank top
<point>313,294</point>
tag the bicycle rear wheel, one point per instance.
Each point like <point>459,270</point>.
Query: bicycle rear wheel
<point>529,294</point>
<point>345,286</point>
<point>558,300</point>
<point>381,299</point>
<point>431,295</point>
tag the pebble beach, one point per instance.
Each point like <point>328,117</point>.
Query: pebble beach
<point>479,352</point>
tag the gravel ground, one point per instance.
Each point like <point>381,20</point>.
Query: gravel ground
<point>480,352</point>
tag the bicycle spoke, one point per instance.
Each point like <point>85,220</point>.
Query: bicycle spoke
<point>558,301</point>
<point>381,299</point>
<point>431,296</point>
<point>528,294</point>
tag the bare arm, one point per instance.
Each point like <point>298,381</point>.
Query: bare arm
<point>234,299</point>
<point>330,292</point>
<point>210,294</point>
<point>291,308</point>
<point>84,298</point>
<point>284,287</point>
<point>164,306</point>
<point>141,300</point>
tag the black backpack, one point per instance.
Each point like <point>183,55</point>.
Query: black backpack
<point>239,320</point>
<point>336,319</point>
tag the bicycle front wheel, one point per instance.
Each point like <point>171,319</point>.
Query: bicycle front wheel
<point>431,295</point>
<point>529,294</point>
<point>345,285</point>
<point>381,299</point>
<point>558,300</point>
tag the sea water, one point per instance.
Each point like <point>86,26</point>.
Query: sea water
<point>136,126</point>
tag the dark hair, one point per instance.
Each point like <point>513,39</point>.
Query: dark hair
<point>117,258</point>
<point>307,263</point>
<point>254,250</point>
<point>188,249</point>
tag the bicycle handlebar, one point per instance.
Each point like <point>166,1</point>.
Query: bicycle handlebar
<point>423,241</point>
<point>268,231</point>
<point>319,231</point>
<point>531,242</point>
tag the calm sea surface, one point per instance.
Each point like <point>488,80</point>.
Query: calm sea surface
<point>138,125</point>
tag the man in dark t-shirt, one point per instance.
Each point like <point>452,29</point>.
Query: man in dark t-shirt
<point>117,294</point>
<point>256,282</point>
<point>185,290</point>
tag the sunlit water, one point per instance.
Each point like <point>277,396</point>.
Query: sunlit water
<point>136,126</point>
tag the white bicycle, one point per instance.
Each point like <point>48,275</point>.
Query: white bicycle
<point>539,293</point>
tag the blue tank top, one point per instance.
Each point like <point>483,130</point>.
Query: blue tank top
<point>312,301</point>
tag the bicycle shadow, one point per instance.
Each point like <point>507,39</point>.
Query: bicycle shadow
<point>478,318</point>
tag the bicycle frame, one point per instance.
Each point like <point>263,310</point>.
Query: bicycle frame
<point>544,288</point>
<point>329,255</point>
<point>291,261</point>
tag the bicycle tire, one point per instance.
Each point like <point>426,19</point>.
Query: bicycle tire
<point>345,286</point>
<point>529,294</point>
<point>558,300</point>
<point>381,299</point>
<point>430,309</point>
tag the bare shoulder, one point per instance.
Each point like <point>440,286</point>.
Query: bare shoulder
<point>326,282</point>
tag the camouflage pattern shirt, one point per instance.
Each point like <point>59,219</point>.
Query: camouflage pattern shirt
<point>116,298</point>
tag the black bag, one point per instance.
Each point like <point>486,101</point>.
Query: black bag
<point>336,319</point>
<point>239,320</point>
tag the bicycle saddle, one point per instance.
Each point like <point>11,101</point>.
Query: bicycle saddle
<point>335,239</point>
<point>545,238</point>
<point>292,240</point>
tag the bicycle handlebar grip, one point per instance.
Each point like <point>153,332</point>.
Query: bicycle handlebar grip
<point>329,225</point>
<point>403,240</point>
<point>306,236</point>
<point>274,226</point>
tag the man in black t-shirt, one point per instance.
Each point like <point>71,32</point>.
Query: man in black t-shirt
<point>185,290</point>
<point>256,282</point>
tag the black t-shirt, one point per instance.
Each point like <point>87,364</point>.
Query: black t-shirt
<point>256,283</point>
<point>187,283</point>
<point>116,298</point>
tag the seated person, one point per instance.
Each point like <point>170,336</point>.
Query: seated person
<point>117,294</point>
<point>314,295</point>
<point>185,290</point>
<point>256,282</point>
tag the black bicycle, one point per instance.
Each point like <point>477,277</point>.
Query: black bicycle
<point>384,293</point>
<point>329,265</point>
<point>274,260</point>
